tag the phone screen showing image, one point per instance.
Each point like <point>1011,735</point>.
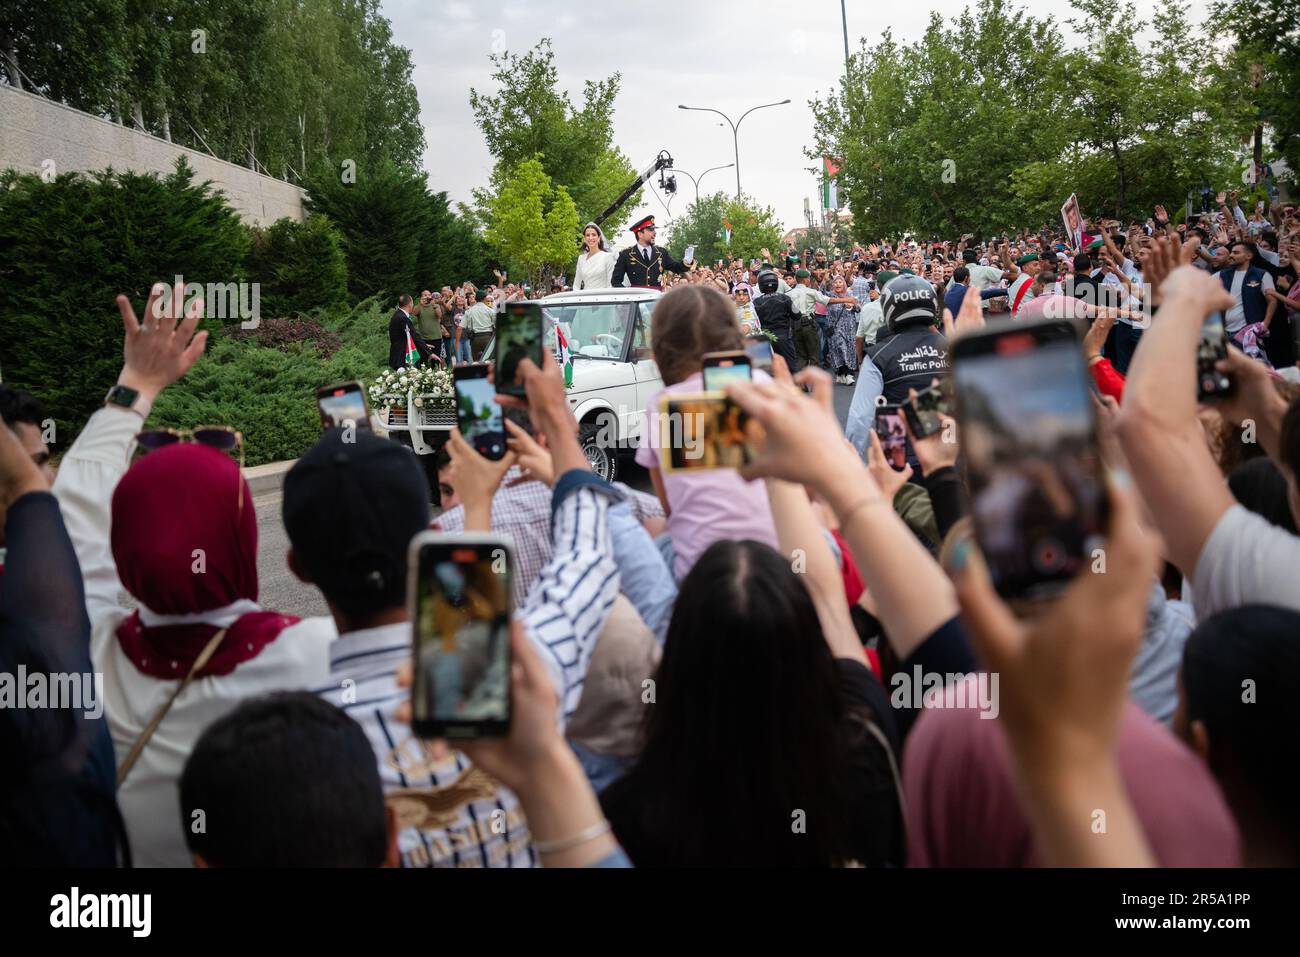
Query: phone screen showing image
<point>721,368</point>
<point>462,638</point>
<point>760,354</point>
<point>477,412</point>
<point>704,430</point>
<point>342,404</point>
<point>1038,497</point>
<point>892,435</point>
<point>519,335</point>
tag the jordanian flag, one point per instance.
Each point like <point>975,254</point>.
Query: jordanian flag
<point>830,189</point>
<point>726,229</point>
<point>566,358</point>
<point>412,353</point>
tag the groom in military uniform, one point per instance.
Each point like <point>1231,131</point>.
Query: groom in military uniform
<point>644,263</point>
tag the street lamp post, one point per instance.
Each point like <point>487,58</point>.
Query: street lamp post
<point>735,128</point>
<point>696,180</point>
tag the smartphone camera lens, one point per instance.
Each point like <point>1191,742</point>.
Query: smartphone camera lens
<point>1048,556</point>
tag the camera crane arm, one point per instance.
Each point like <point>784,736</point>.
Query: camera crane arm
<point>661,162</point>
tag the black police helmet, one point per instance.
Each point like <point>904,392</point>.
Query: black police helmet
<point>908,300</point>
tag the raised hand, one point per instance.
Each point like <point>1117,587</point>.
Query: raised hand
<point>887,477</point>
<point>802,440</point>
<point>531,455</point>
<point>476,478</point>
<point>1161,258</point>
<point>1064,680</point>
<point>160,349</point>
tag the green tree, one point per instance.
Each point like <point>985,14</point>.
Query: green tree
<point>397,235</point>
<point>1265,62</point>
<point>753,227</point>
<point>529,117</point>
<point>71,50</point>
<point>299,266</point>
<point>532,223</point>
<point>965,132</point>
<point>276,85</point>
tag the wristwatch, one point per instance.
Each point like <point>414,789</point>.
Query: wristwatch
<point>122,396</point>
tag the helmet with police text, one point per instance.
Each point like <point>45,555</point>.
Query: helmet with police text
<point>768,282</point>
<point>908,300</point>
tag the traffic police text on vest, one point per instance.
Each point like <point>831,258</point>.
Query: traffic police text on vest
<point>912,352</point>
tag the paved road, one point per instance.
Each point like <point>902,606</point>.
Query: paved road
<point>281,591</point>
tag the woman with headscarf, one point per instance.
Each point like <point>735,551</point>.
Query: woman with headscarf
<point>183,544</point>
<point>841,327</point>
<point>595,263</point>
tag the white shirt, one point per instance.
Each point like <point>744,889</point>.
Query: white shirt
<point>298,658</point>
<point>594,270</point>
<point>1234,320</point>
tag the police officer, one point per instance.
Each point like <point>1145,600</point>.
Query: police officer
<point>776,313</point>
<point>909,352</point>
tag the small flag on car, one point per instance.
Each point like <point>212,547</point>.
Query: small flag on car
<point>566,358</point>
<point>412,353</point>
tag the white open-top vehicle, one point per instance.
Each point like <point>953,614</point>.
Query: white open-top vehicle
<point>608,333</point>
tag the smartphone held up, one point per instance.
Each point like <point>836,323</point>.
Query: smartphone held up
<point>478,414</point>
<point>520,334</point>
<point>1038,494</point>
<point>719,368</point>
<point>1211,383</point>
<point>343,405</point>
<point>460,595</point>
<point>705,430</point>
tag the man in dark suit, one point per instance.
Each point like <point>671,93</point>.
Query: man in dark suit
<point>398,326</point>
<point>645,263</point>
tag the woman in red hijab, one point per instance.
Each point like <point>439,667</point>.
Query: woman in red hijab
<point>183,545</point>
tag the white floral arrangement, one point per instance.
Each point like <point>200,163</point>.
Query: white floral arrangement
<point>423,383</point>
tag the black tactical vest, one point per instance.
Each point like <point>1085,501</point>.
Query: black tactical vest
<point>909,359</point>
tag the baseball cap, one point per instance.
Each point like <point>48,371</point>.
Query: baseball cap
<point>351,505</point>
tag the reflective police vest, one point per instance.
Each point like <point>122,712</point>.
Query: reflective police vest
<point>909,359</point>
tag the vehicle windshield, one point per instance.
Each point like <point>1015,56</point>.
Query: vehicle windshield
<point>593,331</point>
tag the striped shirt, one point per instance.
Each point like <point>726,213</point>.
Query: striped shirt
<point>523,512</point>
<point>451,814</point>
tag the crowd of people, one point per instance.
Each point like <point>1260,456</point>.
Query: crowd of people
<point>715,674</point>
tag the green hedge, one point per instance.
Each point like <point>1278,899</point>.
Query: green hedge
<point>268,392</point>
<point>298,266</point>
<point>69,246</point>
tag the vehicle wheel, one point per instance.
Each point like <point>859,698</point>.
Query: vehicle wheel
<point>604,460</point>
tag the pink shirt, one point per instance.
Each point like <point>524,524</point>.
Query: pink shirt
<point>709,506</point>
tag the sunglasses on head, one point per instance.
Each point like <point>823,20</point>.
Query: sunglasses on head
<point>223,438</point>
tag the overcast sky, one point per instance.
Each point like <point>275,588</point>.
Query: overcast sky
<point>714,53</point>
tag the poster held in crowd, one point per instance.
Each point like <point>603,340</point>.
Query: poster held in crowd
<point>1073,220</point>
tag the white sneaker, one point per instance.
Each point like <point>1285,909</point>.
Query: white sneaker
<point>849,380</point>
<point>839,380</point>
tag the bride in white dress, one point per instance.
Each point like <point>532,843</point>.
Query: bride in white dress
<point>595,262</point>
